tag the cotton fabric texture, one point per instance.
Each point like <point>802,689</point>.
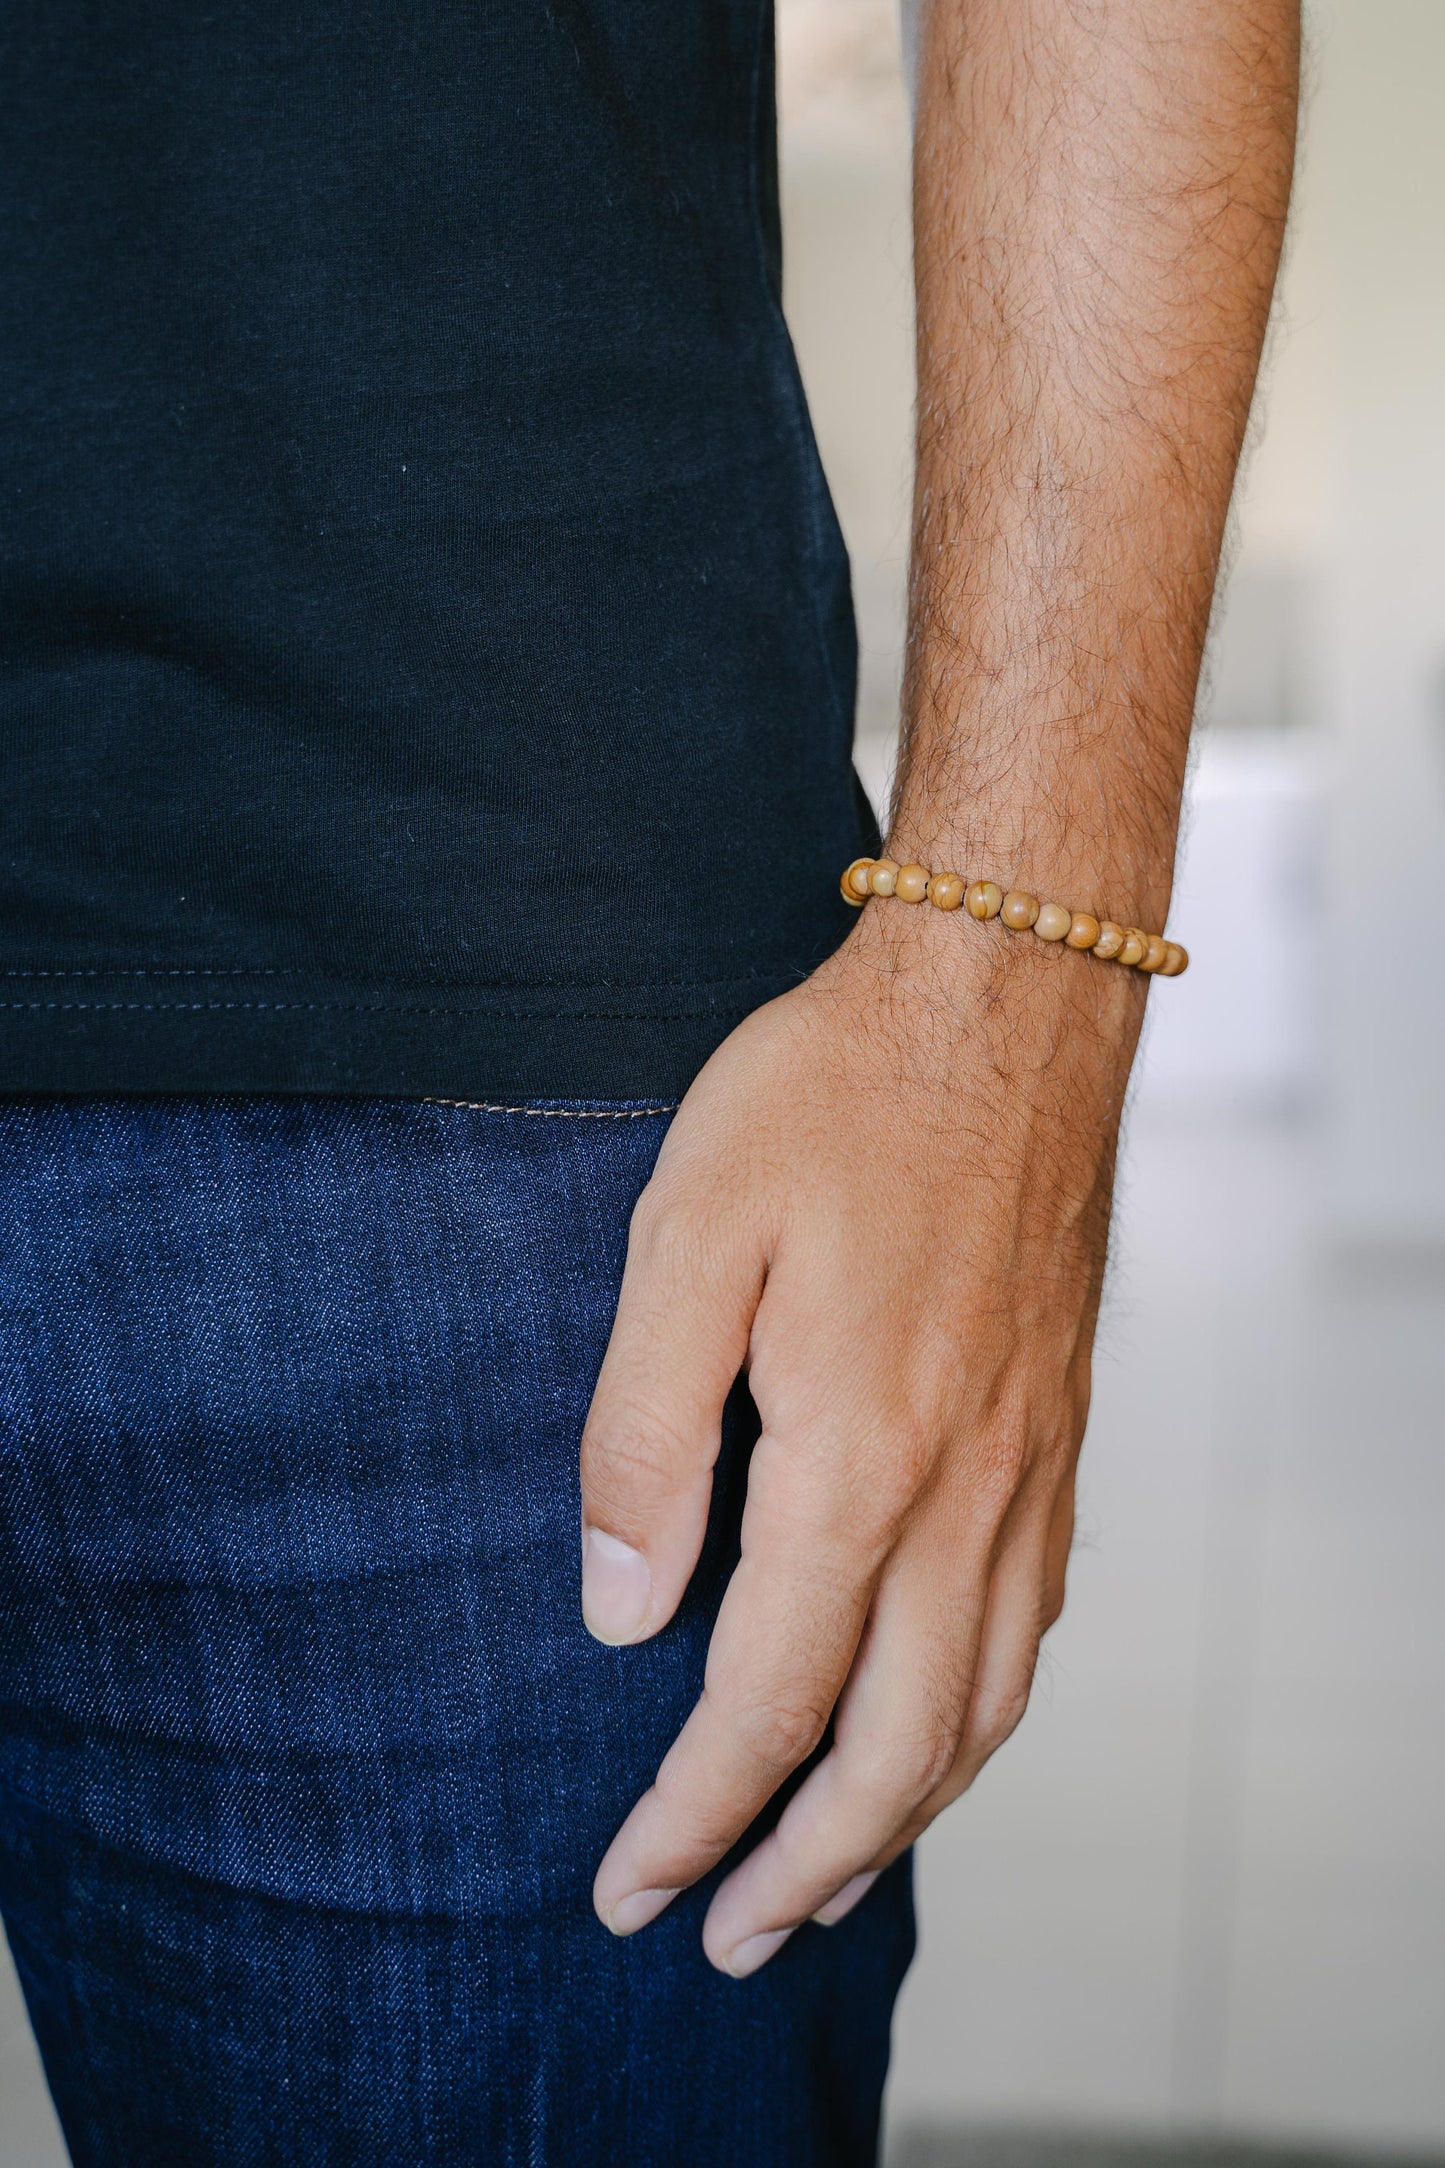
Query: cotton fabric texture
<point>426,656</point>
<point>306,1760</point>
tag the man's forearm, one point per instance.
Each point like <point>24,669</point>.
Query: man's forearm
<point>1100,196</point>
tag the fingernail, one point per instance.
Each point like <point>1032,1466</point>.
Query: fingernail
<point>616,1587</point>
<point>756,1951</point>
<point>837,1908</point>
<point>630,1913</point>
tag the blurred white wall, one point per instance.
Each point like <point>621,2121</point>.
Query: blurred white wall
<point>1204,1889</point>
<point>1373,239</point>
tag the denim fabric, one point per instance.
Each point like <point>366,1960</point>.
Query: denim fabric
<point>306,1760</point>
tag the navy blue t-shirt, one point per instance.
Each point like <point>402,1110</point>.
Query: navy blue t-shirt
<point>426,658</point>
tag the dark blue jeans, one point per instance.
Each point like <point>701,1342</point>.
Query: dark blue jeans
<point>306,1760</point>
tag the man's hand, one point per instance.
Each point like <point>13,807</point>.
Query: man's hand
<point>886,1197</point>
<point>887,1194</point>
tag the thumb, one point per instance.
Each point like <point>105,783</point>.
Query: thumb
<point>691,1284</point>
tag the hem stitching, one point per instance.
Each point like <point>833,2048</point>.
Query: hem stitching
<point>565,1114</point>
<point>375,1008</point>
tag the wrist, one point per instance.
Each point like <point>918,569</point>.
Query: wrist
<point>948,976</point>
<point>1097,865</point>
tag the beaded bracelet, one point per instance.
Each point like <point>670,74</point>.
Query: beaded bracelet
<point>985,899</point>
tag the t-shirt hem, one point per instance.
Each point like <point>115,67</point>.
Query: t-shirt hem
<point>129,1034</point>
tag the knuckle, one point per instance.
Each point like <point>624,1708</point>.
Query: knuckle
<point>996,1473</point>
<point>900,1473</point>
<point>869,1500</point>
<point>631,1456</point>
<point>910,1765</point>
<point>915,1449</point>
<point>921,1762</point>
<point>1000,1716</point>
<point>670,1240</point>
<point>780,1731</point>
<point>1009,1436</point>
<point>1007,1459</point>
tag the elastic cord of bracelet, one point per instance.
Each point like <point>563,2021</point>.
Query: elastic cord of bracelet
<point>1019,911</point>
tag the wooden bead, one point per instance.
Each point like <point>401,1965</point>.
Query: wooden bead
<point>945,891</point>
<point>1111,939</point>
<point>1176,960</point>
<point>912,884</point>
<point>1083,931</point>
<point>884,877</point>
<point>1156,948</point>
<point>854,883</point>
<point>1133,950</point>
<point>1019,910</point>
<point>984,899</point>
<point>1053,922</point>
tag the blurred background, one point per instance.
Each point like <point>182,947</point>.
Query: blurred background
<point>1201,1896</point>
<point>1197,1908</point>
